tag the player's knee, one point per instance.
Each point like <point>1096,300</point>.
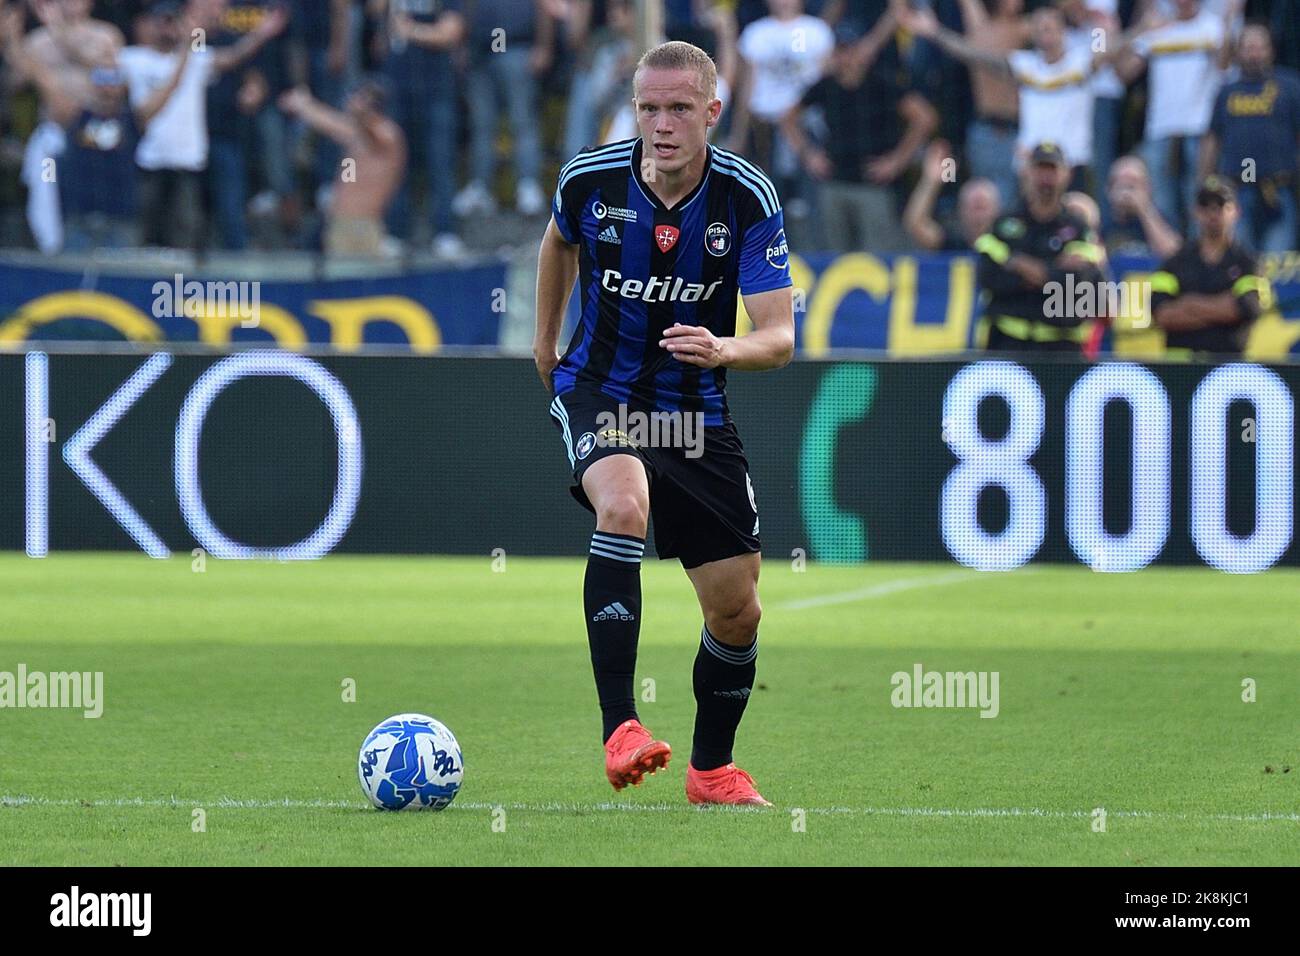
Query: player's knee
<point>624,513</point>
<point>736,623</point>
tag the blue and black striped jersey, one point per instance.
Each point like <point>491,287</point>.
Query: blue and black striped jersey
<point>643,267</point>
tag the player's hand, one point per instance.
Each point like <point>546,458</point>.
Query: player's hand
<point>694,345</point>
<point>546,359</point>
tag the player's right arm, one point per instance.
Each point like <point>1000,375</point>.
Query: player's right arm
<point>557,270</point>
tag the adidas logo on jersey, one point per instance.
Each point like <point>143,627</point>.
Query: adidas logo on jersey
<point>614,612</point>
<point>610,235</point>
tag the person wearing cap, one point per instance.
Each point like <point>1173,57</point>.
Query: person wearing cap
<point>1038,249</point>
<point>1206,296</point>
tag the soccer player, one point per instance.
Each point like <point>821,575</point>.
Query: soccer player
<point>661,232</point>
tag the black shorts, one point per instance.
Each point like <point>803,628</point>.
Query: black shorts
<point>702,503</point>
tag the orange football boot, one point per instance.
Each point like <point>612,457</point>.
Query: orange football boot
<point>631,752</point>
<point>727,784</point>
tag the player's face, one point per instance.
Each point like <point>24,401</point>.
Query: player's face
<point>673,116</point>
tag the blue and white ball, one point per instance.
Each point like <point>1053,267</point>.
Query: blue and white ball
<point>410,762</point>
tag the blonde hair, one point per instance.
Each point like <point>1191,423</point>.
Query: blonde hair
<point>679,55</point>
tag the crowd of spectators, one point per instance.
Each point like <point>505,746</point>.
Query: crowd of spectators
<point>365,127</point>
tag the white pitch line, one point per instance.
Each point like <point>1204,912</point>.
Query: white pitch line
<point>953,812</point>
<point>880,590</point>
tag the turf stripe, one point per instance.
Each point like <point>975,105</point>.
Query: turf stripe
<point>885,589</point>
<point>14,801</point>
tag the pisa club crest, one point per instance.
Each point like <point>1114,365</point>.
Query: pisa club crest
<point>666,237</point>
<point>717,239</point>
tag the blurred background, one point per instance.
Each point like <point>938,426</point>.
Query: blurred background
<point>330,177</point>
<point>141,139</point>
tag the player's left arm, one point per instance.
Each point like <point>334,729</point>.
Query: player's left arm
<point>767,290</point>
<point>770,345</point>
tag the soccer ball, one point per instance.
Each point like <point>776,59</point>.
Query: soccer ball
<point>410,762</point>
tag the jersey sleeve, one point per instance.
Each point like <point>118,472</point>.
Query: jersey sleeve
<point>565,216</point>
<point>765,256</point>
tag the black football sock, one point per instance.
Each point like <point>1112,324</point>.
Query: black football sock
<point>724,676</point>
<point>611,599</point>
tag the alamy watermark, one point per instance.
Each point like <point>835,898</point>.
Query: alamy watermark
<point>922,688</point>
<point>129,910</point>
<point>77,690</point>
<point>193,299</point>
<point>1084,299</point>
<point>637,429</point>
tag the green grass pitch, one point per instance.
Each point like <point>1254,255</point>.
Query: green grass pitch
<point>224,691</point>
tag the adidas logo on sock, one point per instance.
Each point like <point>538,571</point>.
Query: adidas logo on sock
<point>741,694</point>
<point>614,612</point>
<point>610,234</point>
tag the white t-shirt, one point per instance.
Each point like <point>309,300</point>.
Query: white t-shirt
<point>1184,75</point>
<point>177,137</point>
<point>787,57</point>
<point>1105,82</point>
<point>1055,102</point>
<point>1167,8</point>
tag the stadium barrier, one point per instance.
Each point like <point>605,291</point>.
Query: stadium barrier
<point>992,463</point>
<point>904,305</point>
